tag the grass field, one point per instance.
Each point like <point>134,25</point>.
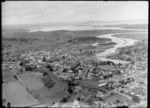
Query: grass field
<point>116,97</point>
<point>31,81</point>
<point>7,76</point>
<point>42,93</point>
<point>17,95</point>
<point>48,96</point>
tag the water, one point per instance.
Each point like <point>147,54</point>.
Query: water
<point>72,28</point>
<point>121,42</point>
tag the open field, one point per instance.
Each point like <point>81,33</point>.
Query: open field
<point>17,95</point>
<point>43,95</point>
<point>30,81</point>
<point>116,97</point>
<point>7,76</point>
<point>41,92</point>
<point>48,96</point>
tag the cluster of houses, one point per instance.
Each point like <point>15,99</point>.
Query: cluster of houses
<point>99,75</point>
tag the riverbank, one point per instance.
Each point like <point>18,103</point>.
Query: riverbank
<point>121,42</point>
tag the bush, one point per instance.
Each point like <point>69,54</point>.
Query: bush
<point>135,99</point>
<point>48,81</point>
<point>64,100</point>
<point>30,68</point>
<point>90,102</point>
<point>49,67</point>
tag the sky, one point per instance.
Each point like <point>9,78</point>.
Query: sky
<point>32,12</point>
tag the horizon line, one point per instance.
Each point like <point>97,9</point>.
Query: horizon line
<point>74,22</point>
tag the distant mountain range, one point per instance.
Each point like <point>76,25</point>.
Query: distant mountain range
<point>79,23</point>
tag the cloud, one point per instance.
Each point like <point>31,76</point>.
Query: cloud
<point>23,12</point>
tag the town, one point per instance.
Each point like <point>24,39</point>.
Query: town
<point>85,79</point>
<point>75,54</point>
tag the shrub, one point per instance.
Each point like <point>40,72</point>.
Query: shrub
<point>135,99</point>
<point>64,100</point>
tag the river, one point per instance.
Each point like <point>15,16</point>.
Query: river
<point>120,42</point>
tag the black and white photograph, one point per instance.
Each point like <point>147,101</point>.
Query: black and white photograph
<point>75,54</point>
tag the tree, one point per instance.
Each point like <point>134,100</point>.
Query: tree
<point>21,70</point>
<point>118,101</point>
<point>122,91</point>
<point>44,59</point>
<point>100,98</point>
<point>21,64</point>
<point>135,99</point>
<point>3,101</point>
<point>90,102</point>
<point>128,59</point>
<point>78,98</point>
<point>119,64</point>
<point>15,77</point>
<point>108,62</point>
<point>28,68</point>
<point>45,73</point>
<point>65,70</point>
<point>48,81</point>
<point>117,72</point>
<point>64,100</point>
<point>8,105</point>
<point>49,67</point>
